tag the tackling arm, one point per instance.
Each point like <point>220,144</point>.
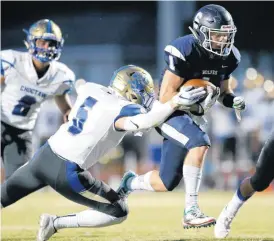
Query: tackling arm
<point>158,114</point>
<point>184,99</point>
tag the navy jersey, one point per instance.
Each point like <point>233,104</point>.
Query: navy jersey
<point>187,59</point>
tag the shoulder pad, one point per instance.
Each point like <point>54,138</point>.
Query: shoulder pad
<point>68,73</point>
<point>181,47</point>
<point>8,57</point>
<point>236,54</point>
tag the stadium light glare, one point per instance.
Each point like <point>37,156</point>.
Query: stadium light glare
<point>268,86</point>
<point>251,73</point>
<point>259,81</point>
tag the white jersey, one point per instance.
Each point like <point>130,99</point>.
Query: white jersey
<point>23,92</point>
<point>90,133</point>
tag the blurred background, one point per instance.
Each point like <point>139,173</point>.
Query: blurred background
<point>102,36</point>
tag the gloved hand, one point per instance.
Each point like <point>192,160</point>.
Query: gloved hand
<point>239,103</point>
<point>211,98</point>
<point>188,96</point>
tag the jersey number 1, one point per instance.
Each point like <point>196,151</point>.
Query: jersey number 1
<point>81,116</point>
<point>23,107</point>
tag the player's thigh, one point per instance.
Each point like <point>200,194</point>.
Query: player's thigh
<point>13,159</point>
<point>17,150</point>
<point>181,135</point>
<point>20,184</point>
<point>171,166</point>
<point>182,130</point>
<point>264,173</point>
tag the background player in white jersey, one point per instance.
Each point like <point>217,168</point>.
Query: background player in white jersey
<point>28,79</point>
<point>98,121</point>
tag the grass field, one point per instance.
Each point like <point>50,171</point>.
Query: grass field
<point>153,216</point>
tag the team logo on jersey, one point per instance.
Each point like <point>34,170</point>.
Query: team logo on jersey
<point>33,91</point>
<point>210,72</point>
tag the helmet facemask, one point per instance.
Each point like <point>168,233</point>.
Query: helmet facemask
<point>221,48</point>
<point>140,91</point>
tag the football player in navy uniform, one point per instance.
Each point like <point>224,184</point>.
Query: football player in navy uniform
<point>258,182</point>
<point>207,53</point>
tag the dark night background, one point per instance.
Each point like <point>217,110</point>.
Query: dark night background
<point>254,20</point>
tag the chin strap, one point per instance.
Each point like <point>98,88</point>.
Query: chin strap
<point>194,33</point>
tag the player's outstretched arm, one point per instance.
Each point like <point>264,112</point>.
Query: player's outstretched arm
<point>159,112</point>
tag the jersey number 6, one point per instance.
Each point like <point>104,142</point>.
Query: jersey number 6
<point>81,116</point>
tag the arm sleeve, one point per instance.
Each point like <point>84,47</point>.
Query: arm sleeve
<point>66,87</point>
<point>230,70</point>
<point>228,100</point>
<point>7,62</point>
<point>67,84</point>
<point>156,116</point>
<point>235,61</point>
<point>176,61</point>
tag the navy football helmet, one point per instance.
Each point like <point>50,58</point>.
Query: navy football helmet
<point>46,30</point>
<point>213,26</point>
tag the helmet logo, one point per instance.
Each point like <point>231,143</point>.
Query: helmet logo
<point>198,17</point>
<point>217,19</point>
<point>226,27</point>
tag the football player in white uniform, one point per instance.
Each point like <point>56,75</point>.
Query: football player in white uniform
<point>98,121</point>
<point>28,79</point>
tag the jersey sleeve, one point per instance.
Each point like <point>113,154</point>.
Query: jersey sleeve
<point>130,110</point>
<point>235,61</point>
<point>176,56</point>
<point>68,82</point>
<point>79,85</point>
<point>7,62</point>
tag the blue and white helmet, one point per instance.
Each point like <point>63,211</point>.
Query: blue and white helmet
<point>47,30</point>
<point>134,84</point>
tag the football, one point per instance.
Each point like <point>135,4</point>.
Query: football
<point>197,109</point>
<point>200,83</point>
